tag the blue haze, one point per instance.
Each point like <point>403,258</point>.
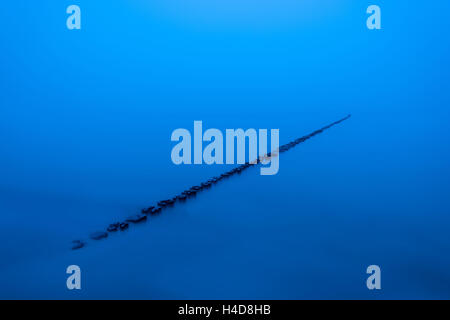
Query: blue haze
<point>85,124</point>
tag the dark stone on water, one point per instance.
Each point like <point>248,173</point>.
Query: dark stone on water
<point>156,210</point>
<point>137,218</point>
<point>113,227</point>
<point>99,235</point>
<point>77,244</point>
<point>162,203</point>
<point>148,210</point>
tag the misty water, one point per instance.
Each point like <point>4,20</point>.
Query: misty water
<point>85,126</point>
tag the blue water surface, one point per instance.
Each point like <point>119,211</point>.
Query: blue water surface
<point>85,123</point>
